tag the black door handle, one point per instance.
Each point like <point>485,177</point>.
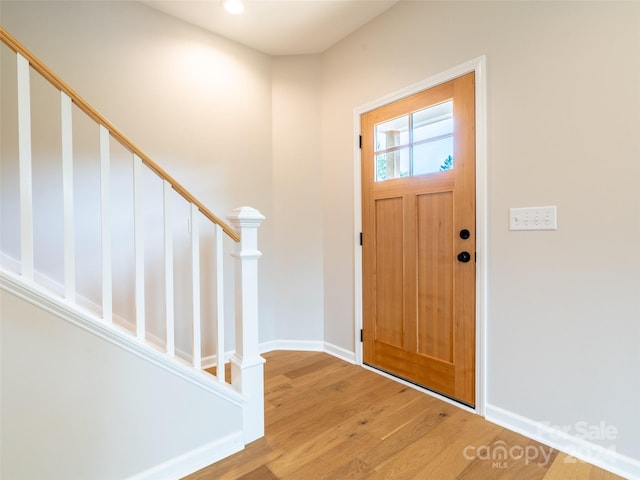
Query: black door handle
<point>464,257</point>
<point>464,234</point>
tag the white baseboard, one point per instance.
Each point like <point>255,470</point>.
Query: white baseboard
<point>308,346</point>
<point>579,448</point>
<point>301,345</point>
<point>194,460</point>
<point>212,360</point>
<point>340,352</point>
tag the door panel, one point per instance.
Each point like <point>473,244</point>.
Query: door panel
<point>389,260</point>
<point>435,276</point>
<point>418,192</point>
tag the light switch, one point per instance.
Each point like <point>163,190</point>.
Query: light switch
<point>533,218</point>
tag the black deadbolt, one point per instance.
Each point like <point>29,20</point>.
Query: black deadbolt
<point>464,257</point>
<point>464,234</point>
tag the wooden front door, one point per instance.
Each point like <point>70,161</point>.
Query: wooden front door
<point>418,220</point>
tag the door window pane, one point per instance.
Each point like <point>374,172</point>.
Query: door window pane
<point>394,164</point>
<point>433,157</point>
<point>392,133</point>
<point>433,122</point>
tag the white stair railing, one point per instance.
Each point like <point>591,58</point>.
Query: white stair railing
<point>246,363</point>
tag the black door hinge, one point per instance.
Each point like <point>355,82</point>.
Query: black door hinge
<point>360,238</point>
<point>361,335</point>
<point>360,141</point>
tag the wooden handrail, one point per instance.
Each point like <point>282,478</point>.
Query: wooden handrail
<point>83,105</point>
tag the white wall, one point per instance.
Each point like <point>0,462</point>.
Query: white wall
<point>77,407</point>
<point>297,197</point>
<point>564,129</point>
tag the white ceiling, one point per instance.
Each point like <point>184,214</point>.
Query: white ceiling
<point>291,27</point>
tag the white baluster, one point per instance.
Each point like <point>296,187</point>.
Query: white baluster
<point>67,198</point>
<point>220,307</point>
<point>105,202</point>
<point>247,364</point>
<point>25,168</point>
<point>138,229</point>
<point>168,268</point>
<point>195,290</point>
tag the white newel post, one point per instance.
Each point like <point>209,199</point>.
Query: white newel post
<point>247,370</point>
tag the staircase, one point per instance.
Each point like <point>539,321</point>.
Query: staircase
<point>111,308</point>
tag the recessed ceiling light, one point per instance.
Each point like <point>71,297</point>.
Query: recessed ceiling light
<point>234,7</point>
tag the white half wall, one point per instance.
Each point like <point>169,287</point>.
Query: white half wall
<point>77,406</point>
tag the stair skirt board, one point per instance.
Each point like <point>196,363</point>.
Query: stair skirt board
<point>195,460</point>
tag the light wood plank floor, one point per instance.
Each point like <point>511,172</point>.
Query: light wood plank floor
<point>327,419</point>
